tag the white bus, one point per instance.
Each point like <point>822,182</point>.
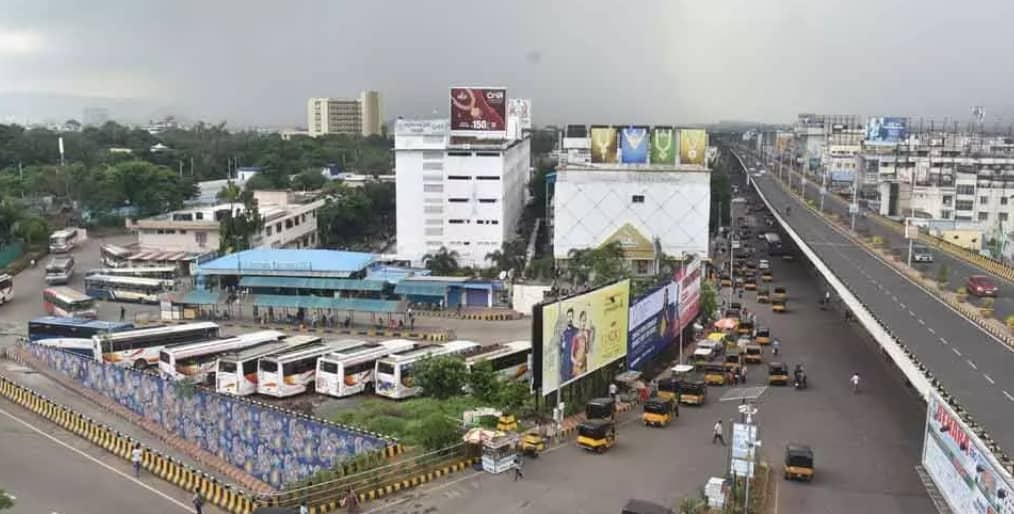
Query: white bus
<point>511,361</point>
<point>6,288</point>
<point>393,374</point>
<point>140,348</point>
<point>350,371</point>
<point>197,360</point>
<point>113,256</point>
<point>67,303</point>
<point>126,289</point>
<point>290,373</point>
<point>159,272</point>
<point>63,241</point>
<point>237,371</point>
<point>59,270</point>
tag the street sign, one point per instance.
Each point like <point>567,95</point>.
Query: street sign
<point>823,191</point>
<point>853,208</point>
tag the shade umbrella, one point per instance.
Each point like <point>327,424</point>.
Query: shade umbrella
<point>726,324</point>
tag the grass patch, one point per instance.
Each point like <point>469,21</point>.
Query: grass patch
<point>412,421</point>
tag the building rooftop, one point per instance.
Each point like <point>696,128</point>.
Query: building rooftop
<point>289,262</point>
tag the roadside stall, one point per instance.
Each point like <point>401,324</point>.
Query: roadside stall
<point>499,449</point>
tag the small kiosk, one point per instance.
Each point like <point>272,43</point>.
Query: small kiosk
<point>499,449</point>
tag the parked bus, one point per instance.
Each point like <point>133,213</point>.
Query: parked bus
<point>68,303</point>
<point>114,256</point>
<point>393,374</point>
<point>290,373</point>
<point>197,360</point>
<point>53,327</point>
<point>159,272</point>
<point>59,270</point>
<point>126,289</point>
<point>237,371</point>
<point>511,361</point>
<point>140,348</point>
<point>63,241</point>
<point>774,243</point>
<point>6,288</point>
<point>350,371</point>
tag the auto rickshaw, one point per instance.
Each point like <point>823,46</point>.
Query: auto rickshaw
<point>750,284</point>
<point>732,311</point>
<point>725,280</point>
<point>778,373</point>
<point>778,306</point>
<point>780,294</point>
<point>531,444</point>
<point>798,462</point>
<point>600,408</point>
<point>744,328</point>
<point>767,276</point>
<point>597,435</point>
<point>762,336</point>
<point>668,387</point>
<point>733,360</point>
<point>763,295</point>
<point>753,354</point>
<point>507,423</point>
<point>715,374</point>
<point>716,336</point>
<point>659,412</point>
<point>693,391</point>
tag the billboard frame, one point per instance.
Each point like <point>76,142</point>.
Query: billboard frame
<point>473,114</point>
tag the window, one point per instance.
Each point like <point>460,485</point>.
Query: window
<point>1003,200</point>
<point>459,177</point>
<point>199,215</point>
<point>267,231</point>
<point>456,222</point>
<point>329,367</point>
<point>457,200</point>
<point>487,178</point>
<point>460,154</point>
<point>433,166</point>
<point>947,199</point>
<point>433,188</point>
<point>983,216</point>
<point>965,189</point>
<point>487,154</point>
<point>434,231</point>
<point>637,199</point>
<point>945,214</point>
<point>983,200</point>
<point>495,222</point>
<point>432,154</point>
<point>278,226</point>
<point>964,205</point>
<point>1003,216</point>
<point>434,221</point>
<point>433,209</point>
<point>487,200</point>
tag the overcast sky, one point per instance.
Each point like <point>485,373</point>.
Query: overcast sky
<point>602,61</point>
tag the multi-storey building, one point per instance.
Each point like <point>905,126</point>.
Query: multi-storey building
<point>357,116</point>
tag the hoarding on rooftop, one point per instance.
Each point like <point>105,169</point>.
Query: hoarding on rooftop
<point>478,111</point>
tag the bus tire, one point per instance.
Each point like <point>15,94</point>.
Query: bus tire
<point>140,364</point>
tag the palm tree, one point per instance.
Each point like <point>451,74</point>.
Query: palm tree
<point>444,262</point>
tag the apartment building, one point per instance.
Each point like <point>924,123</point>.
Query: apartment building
<point>356,116</point>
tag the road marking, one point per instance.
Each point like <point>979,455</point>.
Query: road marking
<point>921,322</point>
<point>178,503</point>
<point>942,340</point>
<point>894,298</point>
<point>956,351</point>
<point>972,364</point>
<point>990,380</point>
<point>902,306</point>
<point>1009,397</point>
<point>910,313</point>
<point>931,330</point>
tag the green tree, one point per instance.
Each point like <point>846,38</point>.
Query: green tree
<point>237,231</point>
<point>441,377</point>
<point>709,300</point>
<point>513,395</point>
<point>483,382</point>
<point>443,262</point>
<point>6,502</point>
<point>437,431</point>
<point>308,180</point>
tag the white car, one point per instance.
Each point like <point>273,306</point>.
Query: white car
<point>921,255</point>
<point>763,265</point>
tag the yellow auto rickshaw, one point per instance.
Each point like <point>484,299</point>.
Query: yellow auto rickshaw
<point>767,276</point>
<point>693,391</point>
<point>668,387</point>
<point>744,328</point>
<point>531,444</point>
<point>762,336</point>
<point>753,354</point>
<point>597,435</point>
<point>750,284</point>
<point>507,423</point>
<point>778,373</point>
<point>600,408</point>
<point>780,294</point>
<point>778,306</point>
<point>714,374</point>
<point>725,280</point>
<point>798,462</point>
<point>763,295</point>
<point>733,360</point>
<point>659,412</point>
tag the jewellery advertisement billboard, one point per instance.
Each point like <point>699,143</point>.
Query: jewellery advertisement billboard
<point>693,146</point>
<point>663,145</point>
<point>652,325</point>
<point>603,140</point>
<point>478,111</point>
<point>634,145</point>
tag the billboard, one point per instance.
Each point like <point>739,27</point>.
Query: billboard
<point>693,146</point>
<point>964,470</point>
<point>634,145</point>
<point>663,145</point>
<point>603,140</point>
<point>521,110</point>
<point>652,325</point>
<point>478,111</point>
<point>887,131</point>
<point>688,277</point>
<point>581,334</point>
<point>783,142</point>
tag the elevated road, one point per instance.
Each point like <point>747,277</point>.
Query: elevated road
<point>971,365</point>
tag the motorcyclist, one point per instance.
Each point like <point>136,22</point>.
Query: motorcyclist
<point>799,376</point>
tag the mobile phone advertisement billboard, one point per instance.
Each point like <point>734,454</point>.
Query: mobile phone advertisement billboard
<point>479,111</point>
<point>652,325</point>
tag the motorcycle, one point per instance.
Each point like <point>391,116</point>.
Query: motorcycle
<point>800,381</point>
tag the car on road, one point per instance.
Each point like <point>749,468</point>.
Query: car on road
<point>981,285</point>
<point>921,254</point>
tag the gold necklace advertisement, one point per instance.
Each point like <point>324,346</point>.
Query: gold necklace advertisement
<point>603,145</point>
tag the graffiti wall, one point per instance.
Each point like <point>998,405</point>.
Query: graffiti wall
<point>272,445</point>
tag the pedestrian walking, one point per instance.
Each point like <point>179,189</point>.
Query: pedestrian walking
<point>135,458</point>
<point>775,346</point>
<point>352,501</point>
<point>718,433</point>
<point>123,313</point>
<point>198,501</point>
<point>614,392</point>
<point>517,468</point>
<point>855,382</point>
<point>303,508</point>
<point>742,374</point>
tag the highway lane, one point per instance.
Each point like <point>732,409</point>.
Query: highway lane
<point>970,364</point>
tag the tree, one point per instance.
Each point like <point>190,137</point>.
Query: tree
<point>308,180</point>
<point>6,502</point>
<point>483,382</point>
<point>443,262</point>
<point>513,395</point>
<point>237,230</point>
<point>437,431</point>
<point>709,300</point>
<point>441,377</point>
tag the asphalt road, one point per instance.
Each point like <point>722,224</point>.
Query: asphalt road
<point>972,366</point>
<point>866,445</point>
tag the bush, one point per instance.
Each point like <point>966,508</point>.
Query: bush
<point>404,419</point>
<point>441,377</point>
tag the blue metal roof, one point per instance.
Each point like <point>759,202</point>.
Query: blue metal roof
<point>288,262</point>
<point>395,274</point>
<point>326,284</point>
<point>202,297</point>
<point>317,302</point>
<point>421,288</point>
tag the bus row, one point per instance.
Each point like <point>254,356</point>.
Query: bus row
<point>67,302</point>
<point>269,362</point>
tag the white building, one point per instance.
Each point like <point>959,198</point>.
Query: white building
<point>595,204</point>
<point>289,222</point>
<point>464,195</point>
<point>358,116</point>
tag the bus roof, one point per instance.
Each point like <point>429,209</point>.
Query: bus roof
<point>68,294</point>
<point>82,322</point>
<point>127,271</point>
<point>497,350</point>
<point>261,350</point>
<point>115,250</point>
<point>437,349</point>
<point>370,351</point>
<point>64,232</point>
<point>134,281</point>
<point>154,331</point>
<point>196,349</point>
<point>310,350</point>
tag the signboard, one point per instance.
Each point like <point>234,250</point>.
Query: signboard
<point>634,145</point>
<point>742,453</point>
<point>421,127</point>
<point>887,131</point>
<point>663,145</point>
<point>968,476</point>
<point>842,176</point>
<point>478,111</point>
<point>582,333</point>
<point>783,142</point>
<point>603,141</point>
<point>689,279</point>
<point>693,146</point>
<point>521,109</point>
<point>652,325</point>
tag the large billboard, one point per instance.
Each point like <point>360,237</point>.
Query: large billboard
<point>688,278</point>
<point>783,142</point>
<point>652,325</point>
<point>967,475</point>
<point>693,146</point>
<point>886,131</point>
<point>581,334</point>
<point>478,111</point>
<point>603,142</point>
<point>634,145</point>
<point>521,108</point>
<point>663,145</point>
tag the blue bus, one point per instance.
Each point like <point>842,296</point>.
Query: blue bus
<point>54,327</point>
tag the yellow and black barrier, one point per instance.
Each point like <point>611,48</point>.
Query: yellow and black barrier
<point>495,315</point>
<point>173,471</point>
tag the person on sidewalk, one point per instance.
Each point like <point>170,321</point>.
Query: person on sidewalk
<point>614,392</point>
<point>135,458</point>
<point>303,508</point>
<point>198,501</point>
<point>123,313</point>
<point>517,468</point>
<point>718,433</point>
<point>352,501</point>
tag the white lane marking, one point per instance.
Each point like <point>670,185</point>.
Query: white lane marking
<point>910,313</point>
<point>1009,397</point>
<point>176,502</point>
<point>921,322</point>
<point>990,380</point>
<point>972,364</point>
<point>902,306</point>
<point>956,351</point>
<point>931,330</point>
<point>942,340</point>
<point>894,298</point>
